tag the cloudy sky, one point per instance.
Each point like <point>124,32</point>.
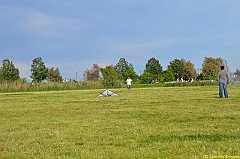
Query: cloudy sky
<point>75,34</point>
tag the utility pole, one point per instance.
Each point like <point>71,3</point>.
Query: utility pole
<point>76,76</point>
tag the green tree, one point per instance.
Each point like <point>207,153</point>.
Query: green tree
<point>167,76</point>
<point>8,71</point>
<point>54,75</point>
<point>131,73</point>
<point>189,70</point>
<point>145,75</point>
<point>124,69</point>
<point>92,74</point>
<point>177,66</point>
<point>211,67</point>
<point>39,71</point>
<point>110,76</point>
<point>153,66</point>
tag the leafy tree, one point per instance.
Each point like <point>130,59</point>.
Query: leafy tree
<point>145,75</point>
<point>167,76</point>
<point>189,70</point>
<point>110,76</point>
<point>131,73</point>
<point>124,69</point>
<point>177,66</point>
<point>211,67</point>
<point>39,71</point>
<point>92,74</point>
<point>153,66</point>
<point>8,71</point>
<point>54,75</point>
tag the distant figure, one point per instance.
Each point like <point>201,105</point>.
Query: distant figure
<point>223,80</point>
<point>181,79</point>
<point>176,77</point>
<point>153,82</point>
<point>129,83</point>
<point>190,79</point>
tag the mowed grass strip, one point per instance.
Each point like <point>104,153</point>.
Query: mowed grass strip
<point>172,122</point>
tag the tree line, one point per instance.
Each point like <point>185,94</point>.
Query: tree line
<point>178,68</point>
<point>113,74</point>
<point>39,72</point>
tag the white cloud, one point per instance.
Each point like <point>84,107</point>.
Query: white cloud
<point>17,19</point>
<point>102,65</point>
<point>24,69</point>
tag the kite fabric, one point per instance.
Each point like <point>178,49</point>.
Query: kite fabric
<point>107,93</point>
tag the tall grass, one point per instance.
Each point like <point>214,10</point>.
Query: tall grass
<point>21,86</point>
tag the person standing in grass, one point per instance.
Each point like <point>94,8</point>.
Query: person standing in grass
<point>223,80</point>
<point>129,83</point>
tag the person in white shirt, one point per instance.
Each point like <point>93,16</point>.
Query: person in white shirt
<point>129,83</point>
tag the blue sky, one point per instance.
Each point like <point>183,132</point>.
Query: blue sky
<point>75,34</point>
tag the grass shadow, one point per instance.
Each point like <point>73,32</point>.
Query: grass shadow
<point>196,137</point>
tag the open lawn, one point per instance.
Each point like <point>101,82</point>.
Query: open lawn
<point>161,122</point>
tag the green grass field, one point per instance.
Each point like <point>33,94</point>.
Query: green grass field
<point>161,122</point>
